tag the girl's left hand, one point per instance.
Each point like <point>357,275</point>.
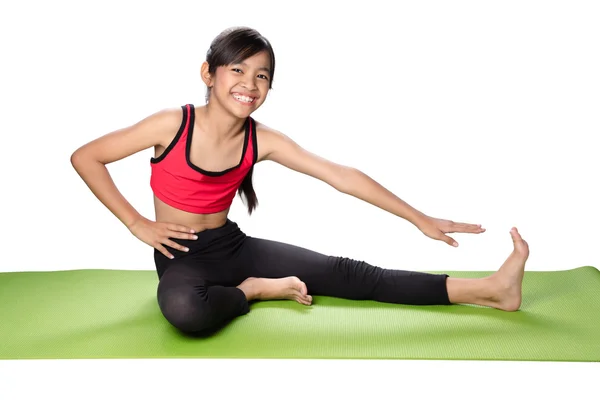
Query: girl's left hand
<point>436,228</point>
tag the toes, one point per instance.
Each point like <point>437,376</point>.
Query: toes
<point>304,290</point>
<point>306,300</point>
<point>302,287</point>
<point>520,245</point>
<point>514,233</point>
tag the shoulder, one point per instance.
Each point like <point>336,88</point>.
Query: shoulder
<point>157,128</point>
<point>162,120</point>
<point>172,114</point>
<point>280,148</point>
<point>166,123</point>
<point>269,141</point>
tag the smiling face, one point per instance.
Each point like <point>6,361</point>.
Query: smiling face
<point>240,88</point>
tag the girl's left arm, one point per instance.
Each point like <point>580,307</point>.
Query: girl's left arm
<point>277,147</point>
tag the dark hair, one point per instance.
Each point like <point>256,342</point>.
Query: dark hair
<point>232,46</point>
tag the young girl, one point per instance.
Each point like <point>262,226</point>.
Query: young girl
<point>208,269</point>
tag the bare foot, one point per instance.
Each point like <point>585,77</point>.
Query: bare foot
<point>289,288</point>
<point>506,283</point>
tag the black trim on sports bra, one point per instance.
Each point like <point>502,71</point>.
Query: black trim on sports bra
<point>254,141</point>
<point>175,139</point>
<point>188,147</point>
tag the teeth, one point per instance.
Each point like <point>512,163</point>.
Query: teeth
<point>243,98</point>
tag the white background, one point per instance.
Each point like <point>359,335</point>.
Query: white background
<point>475,111</point>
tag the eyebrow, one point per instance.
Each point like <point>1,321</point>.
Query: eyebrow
<point>260,69</point>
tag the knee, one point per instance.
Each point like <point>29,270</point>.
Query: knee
<point>186,308</point>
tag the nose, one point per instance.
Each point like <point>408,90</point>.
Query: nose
<point>248,82</point>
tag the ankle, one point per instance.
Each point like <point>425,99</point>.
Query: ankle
<point>251,289</point>
<point>479,291</point>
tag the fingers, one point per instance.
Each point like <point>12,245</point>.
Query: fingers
<point>174,245</point>
<point>159,234</point>
<point>466,228</point>
<point>178,232</point>
<point>181,235</point>
<point>159,246</point>
<point>450,241</point>
<point>180,228</point>
<point>162,249</point>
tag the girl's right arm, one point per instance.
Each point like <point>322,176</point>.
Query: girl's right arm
<point>90,162</point>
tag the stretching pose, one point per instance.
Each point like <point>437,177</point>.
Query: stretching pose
<point>208,269</point>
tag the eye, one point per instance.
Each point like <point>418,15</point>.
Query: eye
<point>236,70</point>
<point>263,77</point>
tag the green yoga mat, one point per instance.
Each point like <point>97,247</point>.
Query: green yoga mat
<point>114,314</point>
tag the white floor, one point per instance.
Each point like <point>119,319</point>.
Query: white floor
<point>295,379</point>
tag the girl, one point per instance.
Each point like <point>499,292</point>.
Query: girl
<point>208,269</point>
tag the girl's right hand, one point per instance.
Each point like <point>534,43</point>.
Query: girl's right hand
<point>156,234</point>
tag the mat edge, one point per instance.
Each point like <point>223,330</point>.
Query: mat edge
<point>426,271</point>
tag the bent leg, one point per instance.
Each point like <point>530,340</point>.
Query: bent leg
<point>193,305</point>
<point>344,277</point>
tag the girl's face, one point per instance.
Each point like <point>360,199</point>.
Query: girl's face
<point>242,88</point>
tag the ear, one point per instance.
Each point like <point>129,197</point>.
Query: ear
<point>205,75</point>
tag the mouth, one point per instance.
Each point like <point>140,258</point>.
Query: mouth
<point>247,100</point>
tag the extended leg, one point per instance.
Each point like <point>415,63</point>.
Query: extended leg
<point>346,278</point>
<point>343,277</point>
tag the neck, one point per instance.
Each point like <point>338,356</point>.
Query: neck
<point>218,123</point>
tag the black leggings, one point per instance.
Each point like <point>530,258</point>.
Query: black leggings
<point>197,289</point>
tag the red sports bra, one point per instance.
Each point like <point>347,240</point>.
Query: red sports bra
<point>183,185</point>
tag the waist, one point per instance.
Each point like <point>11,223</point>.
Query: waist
<point>197,222</point>
<point>213,244</point>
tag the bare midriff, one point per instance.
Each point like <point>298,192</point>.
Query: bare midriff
<point>197,222</point>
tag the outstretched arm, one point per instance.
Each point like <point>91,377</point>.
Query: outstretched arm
<point>361,186</point>
<point>279,148</point>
